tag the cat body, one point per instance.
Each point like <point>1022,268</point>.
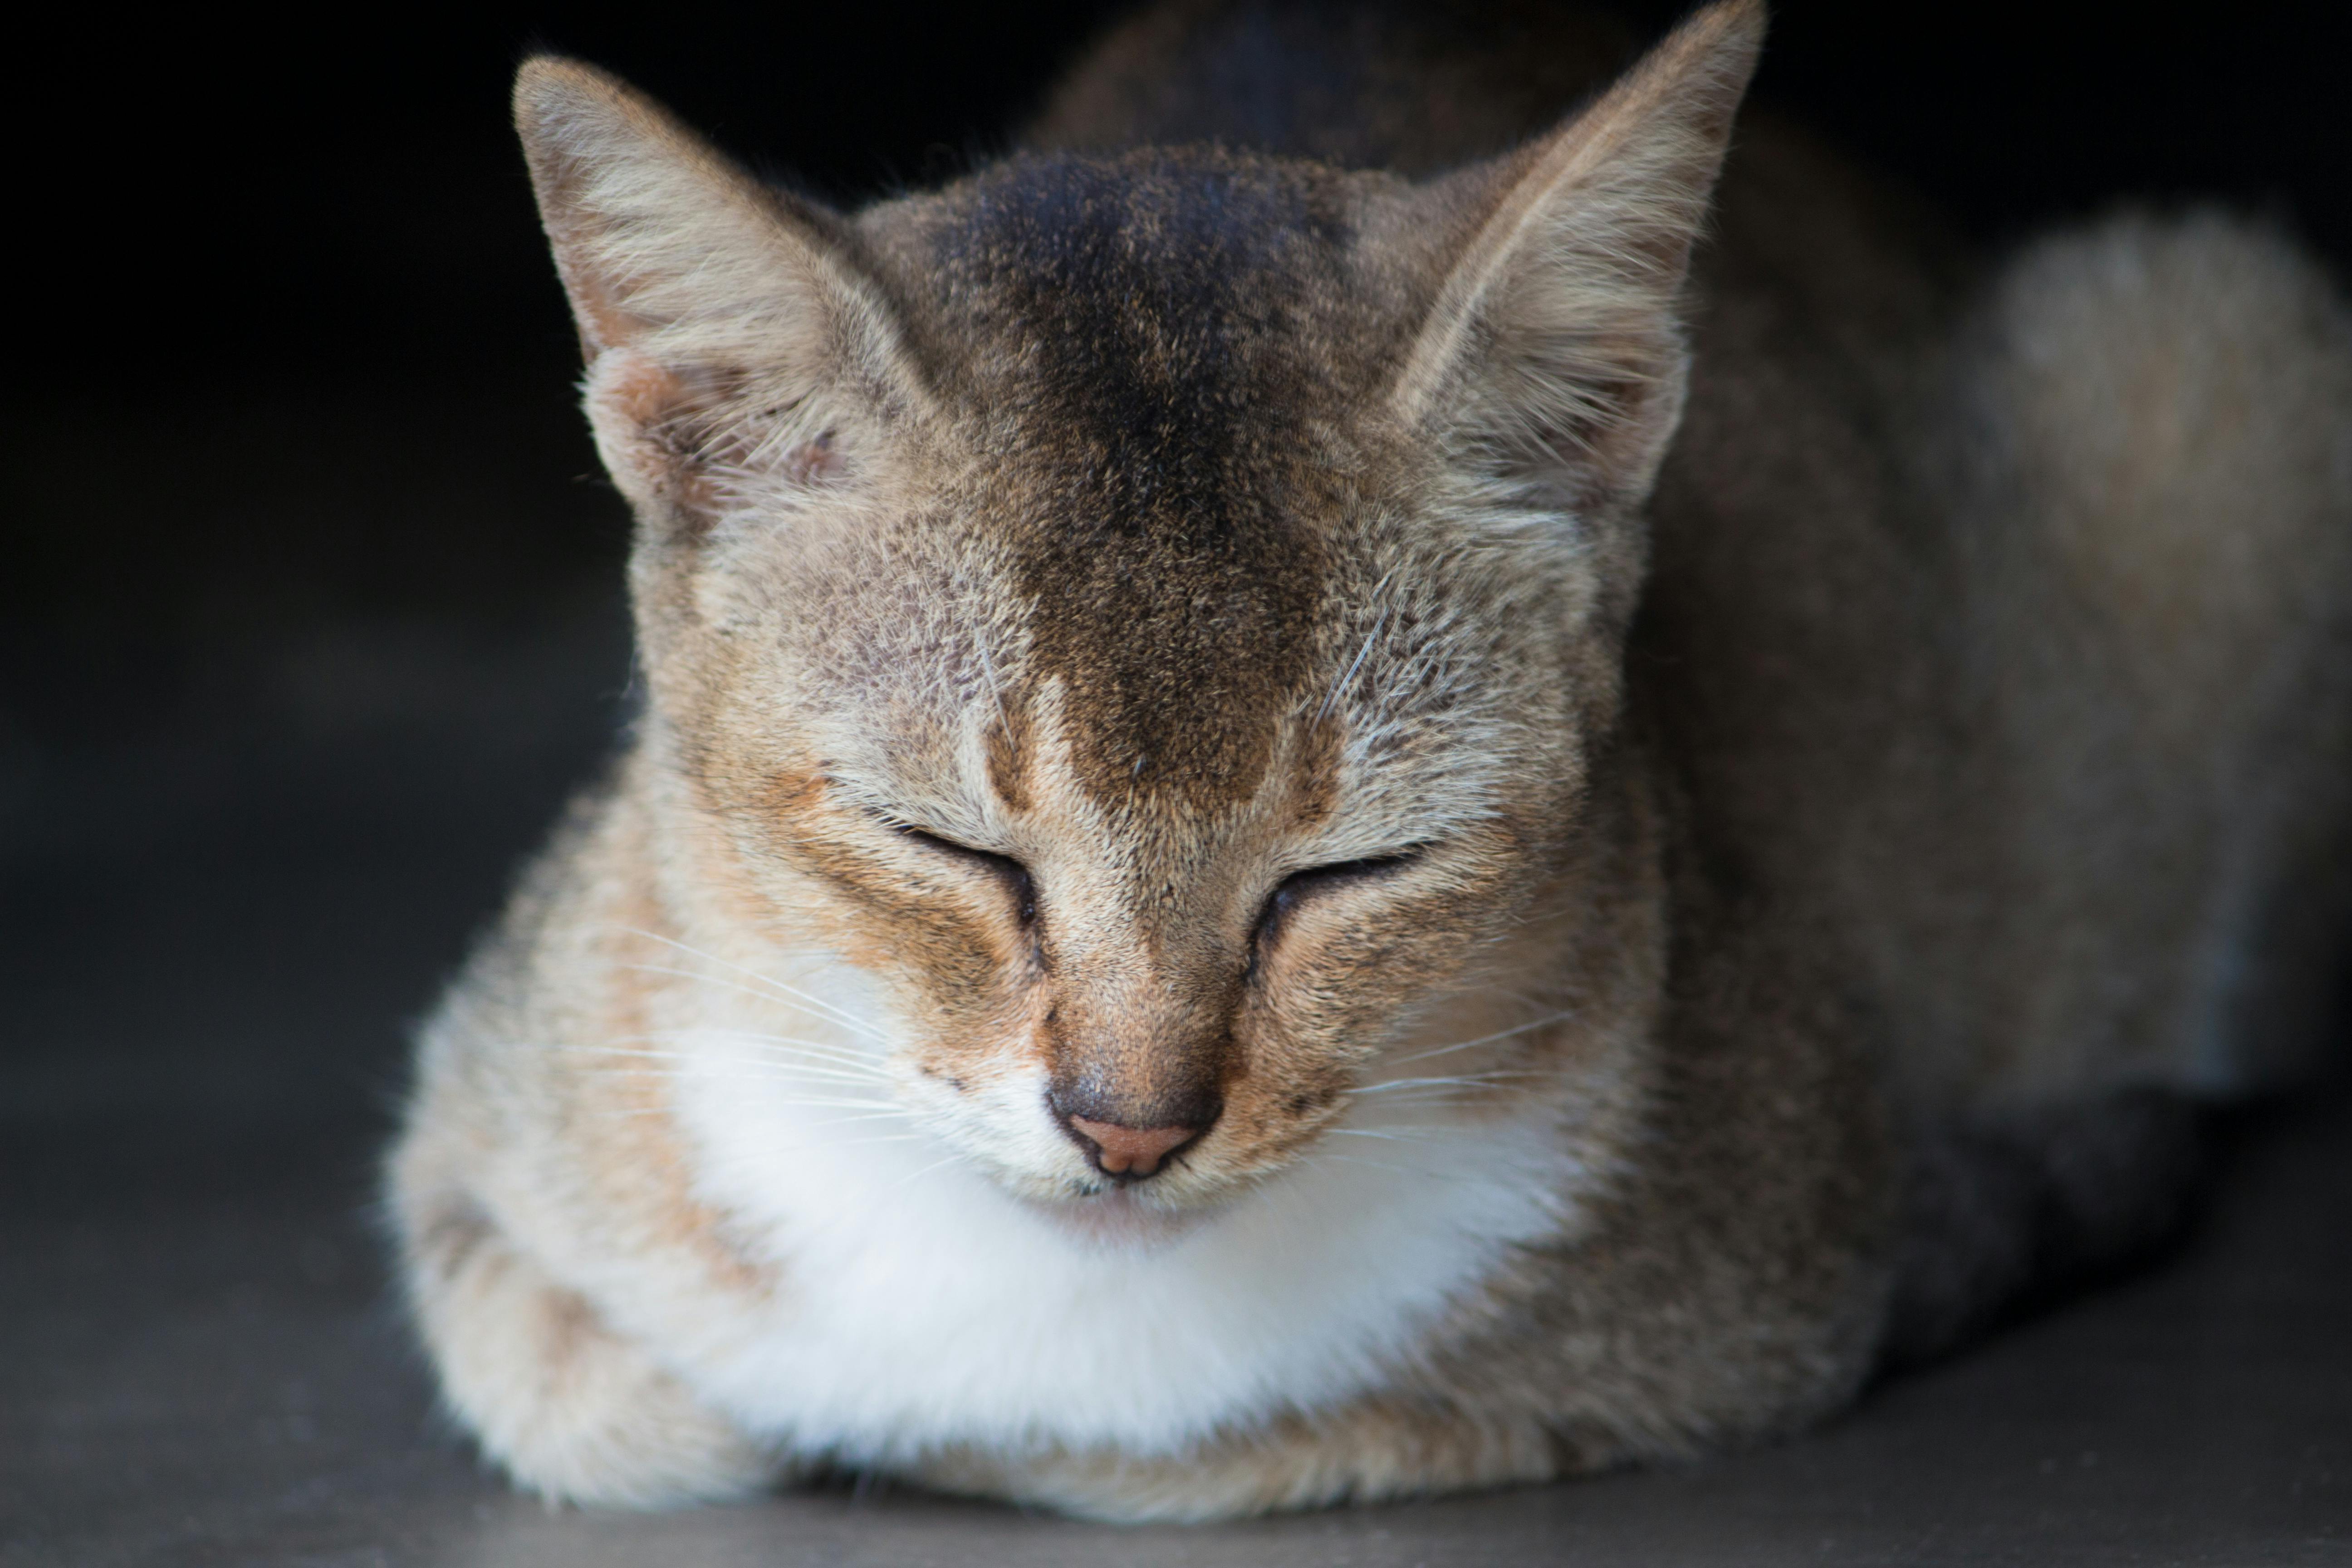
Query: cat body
<point>1313,823</point>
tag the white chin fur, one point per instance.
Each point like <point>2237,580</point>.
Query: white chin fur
<point>1121,1220</point>
<point>922,1304</point>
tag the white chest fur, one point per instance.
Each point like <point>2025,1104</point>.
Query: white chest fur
<point>923,1305</point>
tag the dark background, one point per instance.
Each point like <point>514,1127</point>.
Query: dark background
<point>310,613</point>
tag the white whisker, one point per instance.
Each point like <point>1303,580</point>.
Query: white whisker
<point>988,671</point>
<point>758,1038</point>
<point>1339,686</point>
<point>761,1050</point>
<point>1501,1075</point>
<point>823,1008</point>
<point>757,1159</point>
<point>775,1068</point>
<point>738,985</point>
<point>882,1106</point>
<point>1422,1172</point>
<point>923,1171</point>
<point>1544,1022</point>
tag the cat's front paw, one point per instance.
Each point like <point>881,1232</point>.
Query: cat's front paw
<point>1375,1450</point>
<point>572,1411</point>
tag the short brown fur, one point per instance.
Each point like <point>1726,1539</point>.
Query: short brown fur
<point>1372,639</point>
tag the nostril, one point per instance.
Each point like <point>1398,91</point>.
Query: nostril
<point>1130,1135</point>
<point>1131,1150</point>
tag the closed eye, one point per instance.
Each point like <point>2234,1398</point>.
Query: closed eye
<point>1004,867</point>
<point>1316,880</point>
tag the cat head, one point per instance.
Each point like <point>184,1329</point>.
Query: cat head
<point>1156,614</point>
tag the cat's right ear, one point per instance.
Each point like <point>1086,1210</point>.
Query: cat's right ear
<point>738,356</point>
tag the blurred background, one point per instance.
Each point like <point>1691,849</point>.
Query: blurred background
<point>311,613</point>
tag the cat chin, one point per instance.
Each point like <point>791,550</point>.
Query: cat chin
<point>1119,1220</point>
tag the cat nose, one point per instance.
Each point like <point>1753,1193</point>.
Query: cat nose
<point>1129,1151</point>
<point>1127,1118</point>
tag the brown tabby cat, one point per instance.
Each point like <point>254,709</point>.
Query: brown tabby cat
<point>1314,821</point>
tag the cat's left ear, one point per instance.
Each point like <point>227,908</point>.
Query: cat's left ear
<point>1555,347</point>
<point>734,343</point>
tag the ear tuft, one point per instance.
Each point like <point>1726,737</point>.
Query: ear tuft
<point>1555,343</point>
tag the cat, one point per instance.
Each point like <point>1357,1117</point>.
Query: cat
<point>1324,811</point>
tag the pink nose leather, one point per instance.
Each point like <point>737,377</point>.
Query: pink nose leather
<point>1131,1150</point>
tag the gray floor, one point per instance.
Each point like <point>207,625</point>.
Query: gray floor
<point>212,943</point>
<point>202,1369</point>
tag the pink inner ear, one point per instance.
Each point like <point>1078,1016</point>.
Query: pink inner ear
<point>813,462</point>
